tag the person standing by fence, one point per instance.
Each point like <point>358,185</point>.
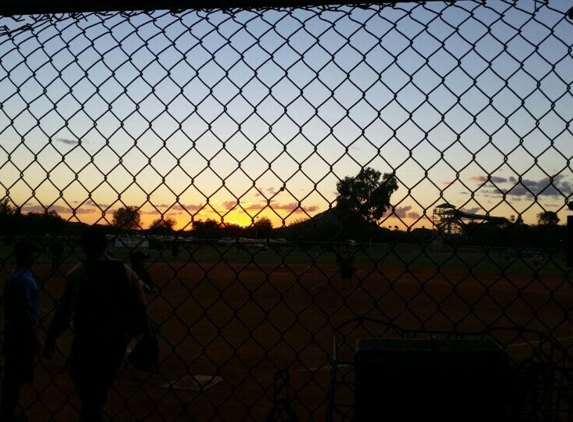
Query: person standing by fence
<point>138,265</point>
<point>345,259</point>
<point>21,315</point>
<point>105,298</point>
<point>56,253</point>
<point>175,247</point>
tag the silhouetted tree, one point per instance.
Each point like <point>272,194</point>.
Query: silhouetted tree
<point>6,208</point>
<point>548,230</point>
<point>163,225</point>
<point>127,218</point>
<point>364,198</point>
<point>421,235</point>
<point>263,227</point>
<point>8,217</point>
<point>231,230</point>
<point>546,218</point>
<point>37,223</point>
<point>367,194</point>
<point>13,222</point>
<point>208,229</point>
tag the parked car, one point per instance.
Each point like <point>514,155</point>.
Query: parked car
<point>533,253</point>
<point>257,246</point>
<point>278,240</point>
<point>226,241</point>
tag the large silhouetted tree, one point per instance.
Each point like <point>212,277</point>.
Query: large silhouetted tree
<point>6,208</point>
<point>47,222</point>
<point>10,218</point>
<point>366,195</point>
<point>162,225</point>
<point>208,229</point>
<point>263,227</point>
<point>127,218</point>
<point>546,218</point>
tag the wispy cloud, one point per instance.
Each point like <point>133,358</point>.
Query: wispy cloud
<point>555,186</point>
<point>58,208</point>
<point>295,207</point>
<point>68,141</point>
<point>401,212</point>
<point>489,179</point>
<point>190,208</point>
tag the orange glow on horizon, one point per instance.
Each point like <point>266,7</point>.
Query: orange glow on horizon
<point>239,217</point>
<point>233,218</point>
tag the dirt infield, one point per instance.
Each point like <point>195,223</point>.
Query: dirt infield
<point>236,326</point>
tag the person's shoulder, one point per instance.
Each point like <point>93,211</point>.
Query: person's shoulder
<point>116,263</point>
<point>76,271</point>
<point>132,276</point>
<point>12,278</point>
<point>109,257</point>
<point>21,273</point>
<point>16,272</point>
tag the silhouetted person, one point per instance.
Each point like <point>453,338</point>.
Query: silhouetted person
<point>21,315</point>
<point>56,254</point>
<point>105,299</point>
<point>175,246</point>
<point>345,259</point>
<point>138,265</point>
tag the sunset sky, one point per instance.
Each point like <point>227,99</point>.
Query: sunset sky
<point>236,116</point>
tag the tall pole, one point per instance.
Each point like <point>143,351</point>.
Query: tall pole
<point>569,240</point>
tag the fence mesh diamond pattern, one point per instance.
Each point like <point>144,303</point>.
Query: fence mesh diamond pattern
<point>219,142</point>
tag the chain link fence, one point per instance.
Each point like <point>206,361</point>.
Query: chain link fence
<point>225,137</point>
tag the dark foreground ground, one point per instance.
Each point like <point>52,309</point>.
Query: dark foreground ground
<point>231,328</point>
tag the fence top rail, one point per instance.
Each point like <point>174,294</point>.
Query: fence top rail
<point>32,7</point>
<point>538,339</point>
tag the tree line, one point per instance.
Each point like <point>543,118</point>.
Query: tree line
<point>361,204</point>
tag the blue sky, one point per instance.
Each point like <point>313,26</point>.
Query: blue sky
<point>215,115</point>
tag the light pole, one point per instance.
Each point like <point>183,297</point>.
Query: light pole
<point>569,259</point>
<point>256,227</point>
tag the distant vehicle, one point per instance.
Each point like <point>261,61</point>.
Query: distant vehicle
<point>258,246</point>
<point>532,253</point>
<point>226,241</point>
<point>131,241</point>
<point>278,240</point>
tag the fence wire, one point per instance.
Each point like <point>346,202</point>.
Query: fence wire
<point>219,142</point>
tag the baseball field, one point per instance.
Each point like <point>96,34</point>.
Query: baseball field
<point>234,323</point>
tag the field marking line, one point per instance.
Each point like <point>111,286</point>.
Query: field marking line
<point>323,368</point>
<point>328,367</point>
<point>536,342</point>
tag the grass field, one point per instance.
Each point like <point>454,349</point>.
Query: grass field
<point>242,316</point>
